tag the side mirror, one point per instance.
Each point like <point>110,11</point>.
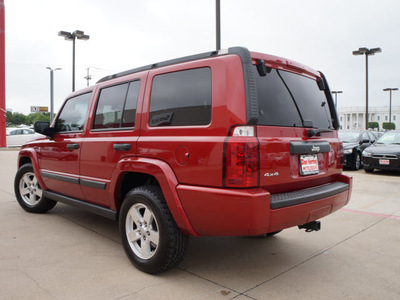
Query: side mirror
<point>44,128</point>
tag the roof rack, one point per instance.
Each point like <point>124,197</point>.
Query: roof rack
<point>165,63</point>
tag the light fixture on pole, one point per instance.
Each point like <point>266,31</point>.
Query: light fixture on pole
<point>336,92</point>
<point>52,92</point>
<point>367,52</point>
<point>68,36</point>
<point>390,104</point>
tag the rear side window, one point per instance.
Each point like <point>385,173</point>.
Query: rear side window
<point>285,99</point>
<point>73,114</point>
<point>116,107</point>
<point>181,98</point>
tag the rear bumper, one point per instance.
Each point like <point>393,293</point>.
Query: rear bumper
<point>231,212</point>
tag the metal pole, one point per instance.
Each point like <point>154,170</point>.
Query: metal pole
<point>390,110</point>
<point>218,23</point>
<point>336,100</point>
<point>366,91</point>
<point>51,95</point>
<point>73,63</point>
<point>3,116</point>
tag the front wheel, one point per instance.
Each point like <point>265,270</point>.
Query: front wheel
<point>357,161</point>
<point>150,236</point>
<point>29,193</point>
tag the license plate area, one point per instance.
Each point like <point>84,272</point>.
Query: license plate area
<point>385,162</point>
<point>309,164</point>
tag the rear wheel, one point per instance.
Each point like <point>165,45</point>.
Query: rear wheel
<point>150,236</point>
<point>29,193</point>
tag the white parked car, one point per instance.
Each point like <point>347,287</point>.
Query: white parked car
<point>18,136</point>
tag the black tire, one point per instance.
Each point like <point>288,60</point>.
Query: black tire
<point>368,170</point>
<point>357,161</point>
<point>29,193</point>
<point>156,244</point>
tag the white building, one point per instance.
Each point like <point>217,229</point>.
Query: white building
<point>354,117</point>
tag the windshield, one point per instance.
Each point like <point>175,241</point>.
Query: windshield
<point>288,99</point>
<point>349,136</point>
<point>390,138</point>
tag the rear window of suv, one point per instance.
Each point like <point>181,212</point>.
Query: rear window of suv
<point>285,99</point>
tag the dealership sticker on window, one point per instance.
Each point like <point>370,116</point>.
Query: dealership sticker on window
<point>309,164</point>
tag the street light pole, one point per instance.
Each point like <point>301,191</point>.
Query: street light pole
<point>218,23</point>
<point>390,104</point>
<point>52,92</point>
<point>68,36</point>
<point>336,92</point>
<point>367,52</point>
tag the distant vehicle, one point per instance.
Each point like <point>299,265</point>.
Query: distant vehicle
<point>16,137</point>
<point>384,154</point>
<point>354,143</point>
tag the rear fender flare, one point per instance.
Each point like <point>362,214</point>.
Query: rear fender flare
<point>165,177</point>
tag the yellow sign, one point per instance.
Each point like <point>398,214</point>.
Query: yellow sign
<point>41,109</point>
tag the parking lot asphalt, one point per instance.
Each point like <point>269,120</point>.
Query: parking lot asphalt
<point>68,253</point>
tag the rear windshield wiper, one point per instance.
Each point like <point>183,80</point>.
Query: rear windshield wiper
<point>317,132</point>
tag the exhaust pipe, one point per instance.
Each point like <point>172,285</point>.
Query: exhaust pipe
<point>312,226</point>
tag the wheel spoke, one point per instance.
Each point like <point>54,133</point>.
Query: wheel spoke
<point>134,215</point>
<point>32,198</point>
<point>148,216</point>
<point>39,192</point>
<point>24,191</point>
<point>145,247</point>
<point>134,235</point>
<point>154,237</point>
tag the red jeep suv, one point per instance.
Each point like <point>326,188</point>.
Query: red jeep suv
<point>224,143</point>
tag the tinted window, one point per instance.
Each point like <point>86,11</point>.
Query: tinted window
<point>311,101</point>
<point>73,114</point>
<point>116,106</point>
<point>129,115</point>
<point>276,106</point>
<point>286,98</point>
<point>181,98</point>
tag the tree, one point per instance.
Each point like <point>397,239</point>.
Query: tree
<point>385,125</point>
<point>33,117</point>
<point>15,119</point>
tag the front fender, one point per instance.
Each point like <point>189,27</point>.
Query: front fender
<point>165,177</point>
<point>32,155</point>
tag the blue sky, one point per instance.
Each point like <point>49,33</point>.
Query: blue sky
<point>125,34</point>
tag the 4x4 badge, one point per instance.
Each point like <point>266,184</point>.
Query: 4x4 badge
<point>271,174</point>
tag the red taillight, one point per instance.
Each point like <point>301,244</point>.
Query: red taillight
<point>241,162</point>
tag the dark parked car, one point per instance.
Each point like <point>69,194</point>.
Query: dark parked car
<point>354,143</point>
<point>384,154</point>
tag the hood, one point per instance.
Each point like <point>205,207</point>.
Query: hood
<point>350,145</point>
<point>384,149</point>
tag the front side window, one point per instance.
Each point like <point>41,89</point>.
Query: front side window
<point>116,107</point>
<point>73,115</point>
<point>181,98</point>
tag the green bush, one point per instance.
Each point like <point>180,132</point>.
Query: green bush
<point>373,125</point>
<point>385,125</point>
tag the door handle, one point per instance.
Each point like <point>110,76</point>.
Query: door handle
<point>72,146</point>
<point>122,147</point>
